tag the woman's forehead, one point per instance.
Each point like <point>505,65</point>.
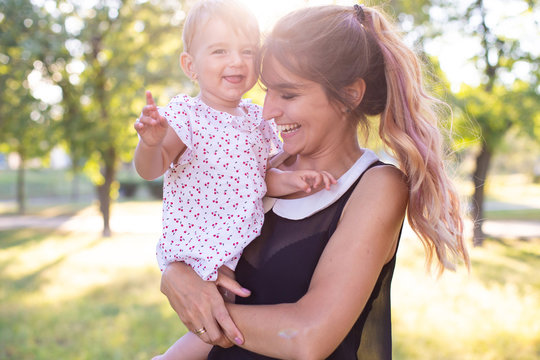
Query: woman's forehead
<point>275,75</point>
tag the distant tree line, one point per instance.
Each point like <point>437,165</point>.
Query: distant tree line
<point>74,75</point>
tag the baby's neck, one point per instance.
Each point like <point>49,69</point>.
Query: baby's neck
<point>231,107</point>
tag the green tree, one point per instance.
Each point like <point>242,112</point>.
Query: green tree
<point>118,50</point>
<point>26,126</point>
<point>502,101</point>
<point>494,113</point>
<point>502,57</point>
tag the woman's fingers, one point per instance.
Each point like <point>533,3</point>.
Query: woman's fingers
<point>226,280</point>
<point>199,304</point>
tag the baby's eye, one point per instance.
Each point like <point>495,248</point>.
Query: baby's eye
<point>219,51</point>
<point>248,52</point>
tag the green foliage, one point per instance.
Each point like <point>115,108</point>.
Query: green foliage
<point>25,121</point>
<point>131,46</point>
<point>488,116</point>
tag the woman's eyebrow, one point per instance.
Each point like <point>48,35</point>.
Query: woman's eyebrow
<point>286,86</point>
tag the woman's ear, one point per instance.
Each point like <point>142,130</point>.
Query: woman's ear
<point>355,91</point>
<point>188,66</point>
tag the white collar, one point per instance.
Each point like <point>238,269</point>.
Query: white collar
<point>301,208</point>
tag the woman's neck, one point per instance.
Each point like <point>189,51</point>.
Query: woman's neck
<point>336,160</point>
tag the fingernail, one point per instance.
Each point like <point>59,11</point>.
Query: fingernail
<point>238,341</point>
<point>246,291</point>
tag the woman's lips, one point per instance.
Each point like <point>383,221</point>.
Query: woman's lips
<point>286,129</point>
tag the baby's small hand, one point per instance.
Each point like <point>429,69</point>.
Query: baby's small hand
<point>312,179</point>
<point>151,126</point>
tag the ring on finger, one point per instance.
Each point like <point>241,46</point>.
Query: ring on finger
<point>200,331</point>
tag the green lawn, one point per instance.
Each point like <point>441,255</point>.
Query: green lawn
<point>69,294</point>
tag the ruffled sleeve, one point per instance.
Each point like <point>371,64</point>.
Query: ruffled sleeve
<point>179,115</point>
<point>267,128</point>
<point>270,133</point>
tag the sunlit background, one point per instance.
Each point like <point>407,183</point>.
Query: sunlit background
<point>72,81</point>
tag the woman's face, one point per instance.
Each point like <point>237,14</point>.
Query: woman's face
<point>308,122</point>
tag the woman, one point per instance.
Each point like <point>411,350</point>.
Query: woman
<point>321,269</point>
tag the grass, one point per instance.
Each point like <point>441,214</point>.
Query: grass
<point>74,295</point>
<point>491,313</point>
<point>70,294</point>
<point>67,293</point>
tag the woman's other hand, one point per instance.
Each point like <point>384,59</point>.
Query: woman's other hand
<point>199,304</point>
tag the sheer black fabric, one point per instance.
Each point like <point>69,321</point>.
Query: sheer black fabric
<point>277,267</point>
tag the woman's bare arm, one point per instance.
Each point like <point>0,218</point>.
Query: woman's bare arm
<point>345,276</point>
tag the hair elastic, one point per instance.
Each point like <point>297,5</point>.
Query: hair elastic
<point>360,15</point>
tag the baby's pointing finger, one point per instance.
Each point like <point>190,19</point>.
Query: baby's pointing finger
<point>149,98</point>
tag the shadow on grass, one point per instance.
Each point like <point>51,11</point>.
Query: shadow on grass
<point>20,237</point>
<point>125,319</point>
<point>34,280</point>
<point>512,261</point>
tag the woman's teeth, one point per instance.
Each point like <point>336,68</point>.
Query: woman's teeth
<point>287,128</point>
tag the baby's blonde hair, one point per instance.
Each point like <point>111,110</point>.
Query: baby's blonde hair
<point>230,11</point>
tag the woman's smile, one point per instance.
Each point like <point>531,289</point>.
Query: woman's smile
<point>288,129</point>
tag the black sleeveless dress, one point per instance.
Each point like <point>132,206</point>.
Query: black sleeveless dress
<point>277,267</point>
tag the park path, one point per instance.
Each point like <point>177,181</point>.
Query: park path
<point>89,220</point>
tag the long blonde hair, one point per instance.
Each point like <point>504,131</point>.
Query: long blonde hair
<point>336,45</point>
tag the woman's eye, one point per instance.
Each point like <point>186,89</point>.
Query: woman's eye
<point>288,96</point>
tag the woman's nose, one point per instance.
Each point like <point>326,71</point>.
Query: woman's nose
<point>271,109</point>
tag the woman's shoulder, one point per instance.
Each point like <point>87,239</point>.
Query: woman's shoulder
<point>382,186</point>
<point>383,177</point>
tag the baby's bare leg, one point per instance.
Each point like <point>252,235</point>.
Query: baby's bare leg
<point>188,347</point>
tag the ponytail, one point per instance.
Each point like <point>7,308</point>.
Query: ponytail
<point>336,45</point>
<point>408,126</point>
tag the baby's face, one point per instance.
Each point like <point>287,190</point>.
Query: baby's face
<point>224,62</point>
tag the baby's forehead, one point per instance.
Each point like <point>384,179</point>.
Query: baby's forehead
<point>216,32</point>
<point>197,23</point>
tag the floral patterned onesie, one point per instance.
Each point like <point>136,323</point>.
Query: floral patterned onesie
<point>212,195</point>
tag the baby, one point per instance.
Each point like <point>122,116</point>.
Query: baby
<point>214,150</point>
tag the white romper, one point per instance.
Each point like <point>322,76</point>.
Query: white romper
<point>212,195</point>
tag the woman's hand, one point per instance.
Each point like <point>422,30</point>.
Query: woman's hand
<point>199,304</point>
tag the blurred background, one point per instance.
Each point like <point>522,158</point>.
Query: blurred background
<point>78,227</point>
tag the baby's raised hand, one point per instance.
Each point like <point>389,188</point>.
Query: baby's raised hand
<point>151,126</point>
<point>312,180</point>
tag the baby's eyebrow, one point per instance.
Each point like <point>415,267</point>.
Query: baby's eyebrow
<point>220,44</point>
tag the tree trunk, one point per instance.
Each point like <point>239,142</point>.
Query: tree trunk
<point>479,178</point>
<point>75,188</point>
<point>104,190</point>
<point>21,193</point>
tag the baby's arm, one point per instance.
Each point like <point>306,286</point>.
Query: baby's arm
<point>158,144</point>
<point>188,347</point>
<point>281,183</point>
